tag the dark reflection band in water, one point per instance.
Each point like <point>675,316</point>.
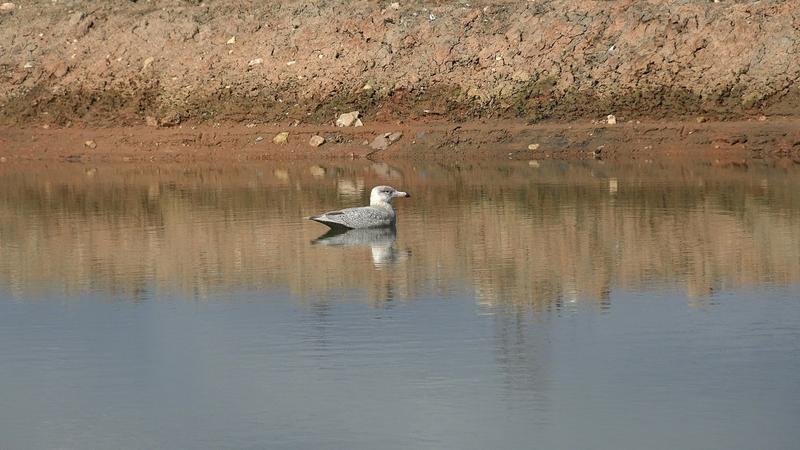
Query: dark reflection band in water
<point>520,235</point>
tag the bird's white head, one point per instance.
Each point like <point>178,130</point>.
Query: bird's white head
<point>383,195</point>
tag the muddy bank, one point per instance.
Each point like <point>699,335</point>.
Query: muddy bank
<point>116,63</point>
<point>728,142</point>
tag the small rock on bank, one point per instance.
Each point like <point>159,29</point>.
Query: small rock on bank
<point>316,141</point>
<point>91,144</point>
<point>7,7</point>
<point>347,119</point>
<point>612,120</point>
<point>383,141</point>
<point>147,62</point>
<point>281,138</point>
<point>170,120</point>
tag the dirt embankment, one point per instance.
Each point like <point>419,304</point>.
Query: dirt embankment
<point>116,63</point>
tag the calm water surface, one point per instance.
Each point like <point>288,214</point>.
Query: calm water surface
<point>549,306</point>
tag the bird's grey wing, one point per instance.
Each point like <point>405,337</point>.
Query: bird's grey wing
<point>367,217</point>
<point>364,217</point>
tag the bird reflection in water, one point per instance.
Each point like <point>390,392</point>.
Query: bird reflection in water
<point>380,240</point>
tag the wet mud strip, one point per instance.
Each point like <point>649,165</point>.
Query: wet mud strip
<point>734,142</point>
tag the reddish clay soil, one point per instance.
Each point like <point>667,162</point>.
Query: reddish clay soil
<point>286,62</point>
<point>734,141</point>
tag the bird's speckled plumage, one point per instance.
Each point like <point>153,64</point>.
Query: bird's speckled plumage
<point>378,214</point>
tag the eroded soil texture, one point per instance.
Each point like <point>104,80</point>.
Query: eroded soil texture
<point>118,63</point>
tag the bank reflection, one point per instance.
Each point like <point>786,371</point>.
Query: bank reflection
<point>522,236</point>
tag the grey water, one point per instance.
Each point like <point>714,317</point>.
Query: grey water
<point>545,305</point>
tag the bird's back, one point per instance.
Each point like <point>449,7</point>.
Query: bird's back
<point>363,217</point>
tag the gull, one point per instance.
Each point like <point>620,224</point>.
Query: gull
<point>378,214</point>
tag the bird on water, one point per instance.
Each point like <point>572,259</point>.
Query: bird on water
<point>378,214</point>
